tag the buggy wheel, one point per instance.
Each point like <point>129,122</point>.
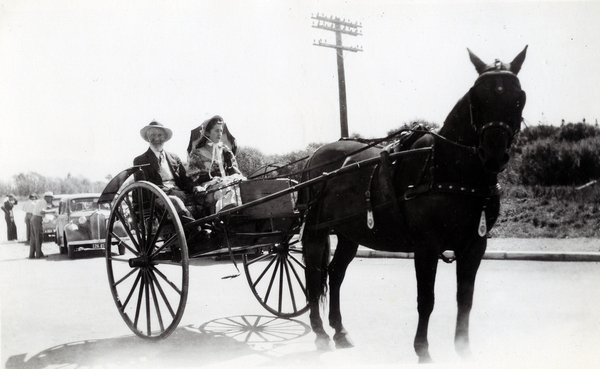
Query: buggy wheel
<point>149,282</point>
<point>277,280</point>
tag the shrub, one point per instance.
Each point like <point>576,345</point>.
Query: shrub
<point>548,162</point>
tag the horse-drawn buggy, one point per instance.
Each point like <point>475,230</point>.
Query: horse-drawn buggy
<point>424,192</point>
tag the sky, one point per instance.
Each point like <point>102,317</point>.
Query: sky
<point>79,79</point>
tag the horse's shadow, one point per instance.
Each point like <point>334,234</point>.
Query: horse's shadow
<point>189,346</point>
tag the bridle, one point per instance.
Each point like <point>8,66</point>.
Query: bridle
<point>499,89</point>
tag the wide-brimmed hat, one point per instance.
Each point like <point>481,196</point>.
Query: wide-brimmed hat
<point>48,194</point>
<point>33,196</point>
<point>155,124</point>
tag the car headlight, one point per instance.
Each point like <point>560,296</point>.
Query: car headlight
<point>82,220</point>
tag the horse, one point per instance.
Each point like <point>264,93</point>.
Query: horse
<point>445,198</point>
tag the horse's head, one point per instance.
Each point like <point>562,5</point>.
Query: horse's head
<point>496,103</point>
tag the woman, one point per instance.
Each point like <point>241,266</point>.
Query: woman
<point>213,168</point>
<point>11,227</point>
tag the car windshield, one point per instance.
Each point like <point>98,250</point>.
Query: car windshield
<point>87,204</point>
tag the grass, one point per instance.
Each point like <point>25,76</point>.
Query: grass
<point>553,212</point>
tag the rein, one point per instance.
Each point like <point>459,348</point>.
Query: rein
<point>470,149</point>
<point>302,171</point>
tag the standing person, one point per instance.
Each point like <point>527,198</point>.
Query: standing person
<point>28,209</point>
<point>11,227</point>
<point>166,169</point>
<point>37,231</point>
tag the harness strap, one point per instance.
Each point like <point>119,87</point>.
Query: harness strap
<point>387,183</point>
<point>457,188</point>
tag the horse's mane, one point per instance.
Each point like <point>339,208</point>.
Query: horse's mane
<point>379,142</point>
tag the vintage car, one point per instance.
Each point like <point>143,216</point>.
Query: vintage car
<point>81,224</point>
<point>49,220</point>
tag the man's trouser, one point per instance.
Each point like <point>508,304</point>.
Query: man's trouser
<point>35,249</point>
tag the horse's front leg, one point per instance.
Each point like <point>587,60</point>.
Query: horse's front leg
<point>344,253</point>
<point>316,258</point>
<point>426,269</point>
<point>467,265</point>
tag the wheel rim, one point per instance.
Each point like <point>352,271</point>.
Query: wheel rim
<point>276,279</point>
<point>149,283</point>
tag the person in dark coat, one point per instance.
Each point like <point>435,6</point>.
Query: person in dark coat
<point>165,169</point>
<point>11,227</point>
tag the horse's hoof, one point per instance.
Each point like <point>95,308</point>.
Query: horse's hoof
<point>463,349</point>
<point>425,359</point>
<point>342,340</point>
<point>324,343</point>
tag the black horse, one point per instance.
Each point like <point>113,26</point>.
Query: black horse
<point>444,199</point>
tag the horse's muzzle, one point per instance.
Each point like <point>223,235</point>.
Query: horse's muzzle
<point>493,163</point>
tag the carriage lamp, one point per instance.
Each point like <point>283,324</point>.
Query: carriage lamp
<point>82,220</point>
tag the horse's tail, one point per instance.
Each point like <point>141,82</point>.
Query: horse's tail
<point>313,244</point>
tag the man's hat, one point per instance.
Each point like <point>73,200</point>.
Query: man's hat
<point>155,124</point>
<point>48,194</point>
<point>33,196</point>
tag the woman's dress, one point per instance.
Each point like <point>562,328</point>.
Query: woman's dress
<point>214,171</point>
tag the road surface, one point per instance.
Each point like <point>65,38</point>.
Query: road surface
<point>58,312</point>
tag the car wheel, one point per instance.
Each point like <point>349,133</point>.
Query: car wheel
<point>70,249</point>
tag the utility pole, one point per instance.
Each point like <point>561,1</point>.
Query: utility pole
<point>339,26</point>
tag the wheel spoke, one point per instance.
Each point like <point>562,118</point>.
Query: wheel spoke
<point>167,243</point>
<point>125,277</point>
<point>137,280</point>
<point>156,302</point>
<point>134,220</point>
<point>162,293</point>
<point>273,276</point>
<point>260,258</point>
<point>166,279</point>
<point>142,226</point>
<point>125,223</point>
<point>159,228</point>
<point>122,242</point>
<point>298,278</point>
<point>265,270</point>
<point>148,315</point>
<point>289,282</point>
<point>281,271</point>
<point>139,303</point>
<point>297,261</point>
<point>152,203</point>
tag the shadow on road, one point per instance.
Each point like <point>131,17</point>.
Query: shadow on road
<point>189,346</point>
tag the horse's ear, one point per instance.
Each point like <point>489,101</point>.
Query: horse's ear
<point>515,65</point>
<point>479,65</point>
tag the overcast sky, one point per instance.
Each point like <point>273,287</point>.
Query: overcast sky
<point>79,79</point>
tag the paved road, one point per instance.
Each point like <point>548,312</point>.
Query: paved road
<point>59,313</point>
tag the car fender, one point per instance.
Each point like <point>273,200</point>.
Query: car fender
<point>75,233</point>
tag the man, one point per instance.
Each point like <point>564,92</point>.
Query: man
<point>11,227</point>
<point>28,209</point>
<point>166,169</point>
<point>37,231</point>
